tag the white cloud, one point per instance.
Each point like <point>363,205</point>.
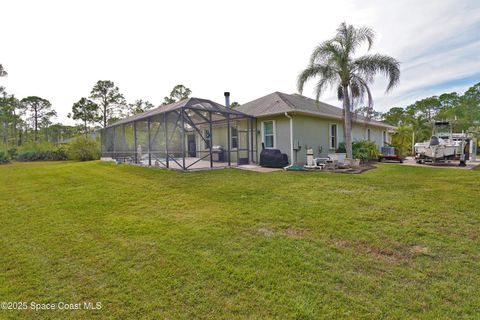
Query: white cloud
<point>59,49</point>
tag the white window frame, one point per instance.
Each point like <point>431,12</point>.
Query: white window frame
<point>384,137</point>
<point>237,137</point>
<point>274,134</point>
<point>368,134</point>
<point>335,147</point>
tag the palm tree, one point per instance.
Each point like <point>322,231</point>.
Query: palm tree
<point>401,139</point>
<point>3,73</point>
<point>421,129</point>
<point>333,62</point>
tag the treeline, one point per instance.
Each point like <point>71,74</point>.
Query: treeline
<point>30,120</point>
<point>106,104</point>
<point>414,122</point>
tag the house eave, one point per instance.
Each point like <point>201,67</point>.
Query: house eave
<point>324,116</point>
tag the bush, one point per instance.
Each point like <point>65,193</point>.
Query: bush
<point>12,152</point>
<point>83,149</point>
<point>44,151</point>
<point>402,150</point>
<point>363,150</point>
<point>4,158</point>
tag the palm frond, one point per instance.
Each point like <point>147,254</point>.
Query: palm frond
<point>326,51</point>
<point>364,34</point>
<point>334,64</point>
<point>322,84</point>
<point>340,93</point>
<point>369,65</point>
<point>322,71</point>
<point>363,90</point>
<point>357,91</point>
<point>3,73</point>
<point>351,38</point>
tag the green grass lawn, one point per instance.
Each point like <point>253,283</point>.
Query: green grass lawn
<point>395,242</point>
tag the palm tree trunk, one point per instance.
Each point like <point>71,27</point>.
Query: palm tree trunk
<point>105,104</point>
<point>36,125</point>
<point>15,141</point>
<point>5,137</point>
<point>347,122</point>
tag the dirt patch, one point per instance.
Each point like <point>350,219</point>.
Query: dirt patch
<point>292,232</point>
<point>383,254</point>
<point>265,232</point>
<point>418,250</point>
<point>473,235</point>
<point>343,191</point>
<point>391,255</point>
<point>295,232</point>
<point>340,243</point>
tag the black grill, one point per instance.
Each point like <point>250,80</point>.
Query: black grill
<point>273,158</point>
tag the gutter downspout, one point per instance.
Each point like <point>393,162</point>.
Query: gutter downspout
<point>291,139</point>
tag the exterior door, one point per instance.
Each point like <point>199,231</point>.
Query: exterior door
<point>192,145</point>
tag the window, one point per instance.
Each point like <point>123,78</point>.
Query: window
<point>384,137</point>
<point>333,136</point>
<point>234,137</point>
<point>368,134</point>
<point>206,135</point>
<point>268,136</point>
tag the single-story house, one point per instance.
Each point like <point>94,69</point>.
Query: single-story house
<point>198,133</point>
<point>292,122</point>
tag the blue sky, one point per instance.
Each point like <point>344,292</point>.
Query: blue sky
<point>437,42</point>
<point>59,49</point>
<point>456,83</point>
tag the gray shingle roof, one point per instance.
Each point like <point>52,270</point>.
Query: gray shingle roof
<point>279,103</point>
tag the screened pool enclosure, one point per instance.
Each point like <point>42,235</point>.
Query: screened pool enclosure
<point>187,135</point>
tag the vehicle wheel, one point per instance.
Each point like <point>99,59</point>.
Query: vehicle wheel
<point>401,160</point>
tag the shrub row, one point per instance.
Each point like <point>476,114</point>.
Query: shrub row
<point>364,150</point>
<point>4,158</point>
<point>41,152</point>
<point>81,148</point>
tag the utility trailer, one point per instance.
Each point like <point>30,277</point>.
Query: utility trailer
<point>388,153</point>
